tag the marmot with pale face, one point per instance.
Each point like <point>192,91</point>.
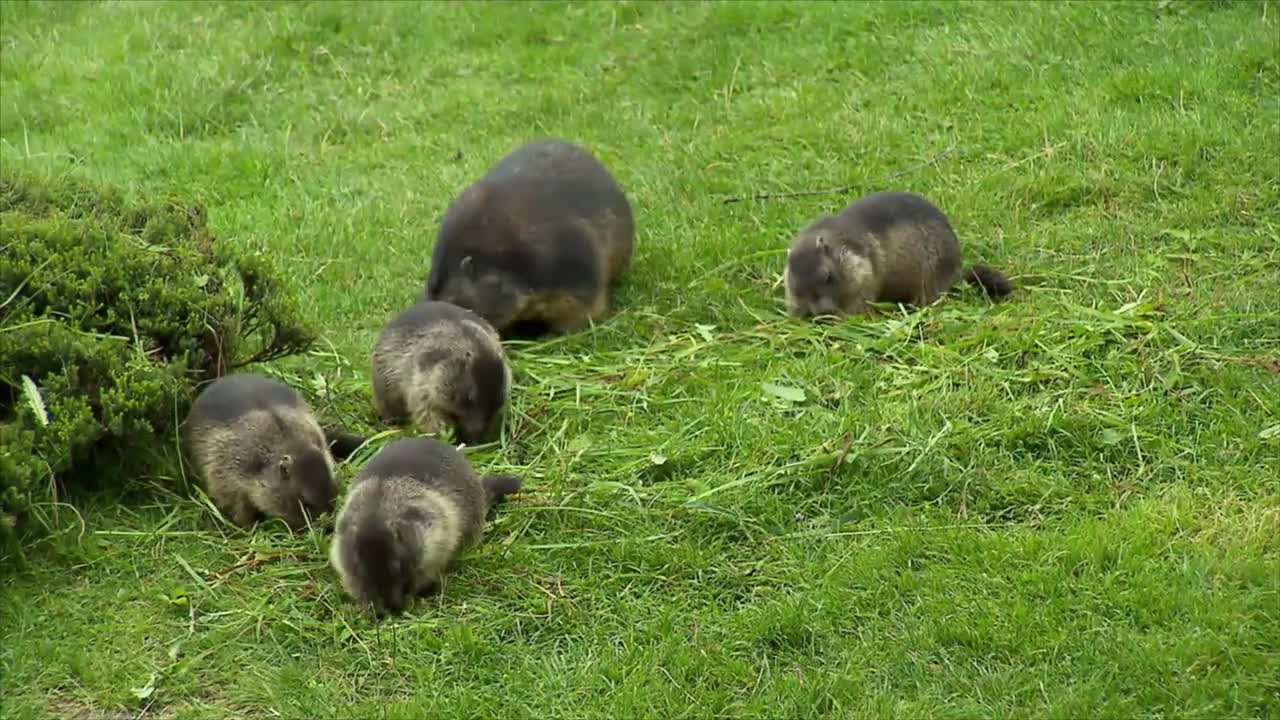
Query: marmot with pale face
<point>414,508</point>
<point>883,247</point>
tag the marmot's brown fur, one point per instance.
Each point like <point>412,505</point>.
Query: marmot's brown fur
<point>883,247</point>
<point>414,508</point>
<point>535,243</point>
<point>441,366</point>
<point>260,451</point>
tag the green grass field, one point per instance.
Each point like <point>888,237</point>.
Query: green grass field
<point>1064,505</point>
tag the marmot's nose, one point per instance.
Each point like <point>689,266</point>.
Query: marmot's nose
<point>471,436</point>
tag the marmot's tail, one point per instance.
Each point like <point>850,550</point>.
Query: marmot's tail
<point>992,281</point>
<point>497,487</point>
<point>342,444</point>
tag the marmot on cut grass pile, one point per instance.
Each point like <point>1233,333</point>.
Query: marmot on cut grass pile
<point>441,366</point>
<point>882,247</point>
<point>260,451</point>
<point>535,244</point>
<point>412,509</point>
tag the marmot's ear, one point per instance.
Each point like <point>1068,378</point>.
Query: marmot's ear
<point>821,242</point>
<point>286,463</point>
<point>467,267</point>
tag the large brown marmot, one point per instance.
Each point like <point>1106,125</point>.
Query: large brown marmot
<point>535,243</point>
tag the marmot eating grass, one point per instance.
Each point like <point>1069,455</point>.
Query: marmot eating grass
<point>260,451</point>
<point>535,243</point>
<point>441,366</point>
<point>883,247</point>
<point>412,509</point>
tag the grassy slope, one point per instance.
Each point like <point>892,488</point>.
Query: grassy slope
<point>1059,506</point>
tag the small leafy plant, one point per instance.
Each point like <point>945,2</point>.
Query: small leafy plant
<point>112,313</point>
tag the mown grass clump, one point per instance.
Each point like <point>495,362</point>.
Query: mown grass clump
<point>113,313</point>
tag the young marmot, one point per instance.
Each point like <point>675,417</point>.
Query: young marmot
<point>535,243</point>
<point>260,451</point>
<point>441,366</point>
<point>883,247</point>
<point>412,509</point>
